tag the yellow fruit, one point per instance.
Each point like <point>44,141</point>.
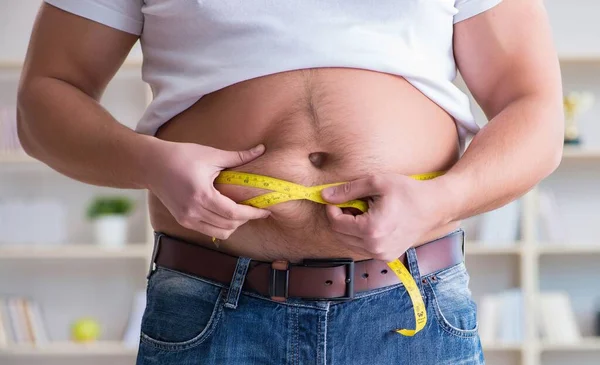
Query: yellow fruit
<point>85,330</point>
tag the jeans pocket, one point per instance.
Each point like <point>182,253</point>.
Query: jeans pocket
<point>452,301</point>
<point>181,311</point>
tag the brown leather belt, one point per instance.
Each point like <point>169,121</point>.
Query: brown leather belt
<point>322,279</point>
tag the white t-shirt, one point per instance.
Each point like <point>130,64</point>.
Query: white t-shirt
<point>194,47</point>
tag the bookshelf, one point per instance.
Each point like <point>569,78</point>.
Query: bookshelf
<point>586,344</point>
<point>481,249</point>
<point>73,251</point>
<point>17,158</point>
<point>70,349</point>
<point>74,278</point>
<point>531,263</point>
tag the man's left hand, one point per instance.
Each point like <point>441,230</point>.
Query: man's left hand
<point>401,211</point>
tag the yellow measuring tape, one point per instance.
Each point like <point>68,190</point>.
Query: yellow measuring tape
<point>283,191</point>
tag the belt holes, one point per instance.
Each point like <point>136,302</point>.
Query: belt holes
<point>384,271</point>
<point>365,275</point>
<point>328,282</point>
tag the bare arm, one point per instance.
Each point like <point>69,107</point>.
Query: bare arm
<point>508,61</point>
<point>60,121</point>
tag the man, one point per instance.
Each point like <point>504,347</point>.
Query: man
<point>310,92</point>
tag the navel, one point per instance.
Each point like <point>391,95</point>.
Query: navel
<point>317,158</point>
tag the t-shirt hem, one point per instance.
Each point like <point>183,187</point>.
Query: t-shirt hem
<point>99,14</point>
<point>474,7</point>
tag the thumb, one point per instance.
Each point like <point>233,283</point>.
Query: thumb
<point>356,189</point>
<point>237,158</point>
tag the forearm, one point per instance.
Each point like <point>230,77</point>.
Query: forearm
<point>516,150</point>
<point>73,134</point>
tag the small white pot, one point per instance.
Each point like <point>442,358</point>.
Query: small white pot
<point>111,231</point>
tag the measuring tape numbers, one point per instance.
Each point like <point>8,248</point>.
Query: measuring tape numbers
<point>283,191</point>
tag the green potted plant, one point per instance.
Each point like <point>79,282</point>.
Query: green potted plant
<point>109,214</point>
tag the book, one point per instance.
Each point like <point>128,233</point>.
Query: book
<point>512,319</point>
<point>131,337</point>
<point>501,317</point>
<point>17,321</point>
<point>500,226</point>
<point>557,318</point>
<point>4,330</point>
<point>24,313</point>
<point>39,329</point>
<point>26,322</point>
<point>489,318</point>
<point>551,229</point>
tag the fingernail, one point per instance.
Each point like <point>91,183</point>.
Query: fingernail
<point>329,192</point>
<point>258,148</point>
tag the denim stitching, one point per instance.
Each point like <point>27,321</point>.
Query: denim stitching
<point>318,338</point>
<point>325,336</point>
<point>198,278</point>
<point>449,273</point>
<point>443,322</point>
<point>239,275</point>
<point>200,338</point>
<point>292,305</point>
<point>413,264</point>
<point>296,336</point>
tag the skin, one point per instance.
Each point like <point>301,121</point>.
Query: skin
<point>505,56</point>
<point>507,59</point>
<point>356,119</point>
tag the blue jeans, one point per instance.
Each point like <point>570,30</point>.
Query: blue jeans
<point>189,320</point>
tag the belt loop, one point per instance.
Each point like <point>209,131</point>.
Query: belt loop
<point>413,267</point>
<point>462,237</point>
<point>237,282</point>
<point>157,237</point>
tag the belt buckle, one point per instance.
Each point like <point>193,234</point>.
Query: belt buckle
<point>279,283</point>
<point>348,263</point>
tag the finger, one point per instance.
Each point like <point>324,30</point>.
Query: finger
<point>227,159</point>
<point>227,208</point>
<point>212,231</point>
<point>347,224</point>
<point>356,189</point>
<point>355,244</point>
<point>218,221</point>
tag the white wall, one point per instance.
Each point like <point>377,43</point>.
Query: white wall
<point>104,289</point>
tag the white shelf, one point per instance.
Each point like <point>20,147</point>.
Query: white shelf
<point>61,349</point>
<point>586,344</point>
<point>73,251</point>
<point>480,249</point>
<point>499,346</point>
<point>16,65</point>
<point>579,57</point>
<point>134,63</point>
<point>10,65</point>
<point>572,152</point>
<point>568,248</point>
<point>16,157</point>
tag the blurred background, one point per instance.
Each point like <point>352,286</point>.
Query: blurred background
<point>73,257</point>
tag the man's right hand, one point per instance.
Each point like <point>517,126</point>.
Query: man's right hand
<point>182,176</point>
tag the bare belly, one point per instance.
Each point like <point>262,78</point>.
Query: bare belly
<point>318,126</point>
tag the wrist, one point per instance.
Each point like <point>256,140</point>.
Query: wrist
<point>451,196</point>
<point>146,158</point>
